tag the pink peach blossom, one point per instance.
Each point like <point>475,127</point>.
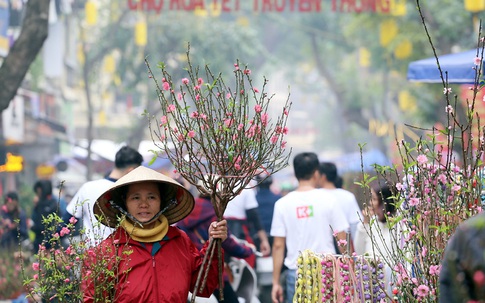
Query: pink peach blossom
<point>64,231</point>
<point>35,266</point>
<point>479,278</point>
<point>434,270</point>
<point>422,291</point>
<point>194,115</point>
<point>264,119</point>
<point>422,159</point>
<point>171,108</point>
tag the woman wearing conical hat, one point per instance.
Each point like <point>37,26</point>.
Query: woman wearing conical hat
<point>146,259</point>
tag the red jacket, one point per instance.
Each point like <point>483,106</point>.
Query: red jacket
<point>165,275</point>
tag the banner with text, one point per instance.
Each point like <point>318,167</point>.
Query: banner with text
<point>265,6</point>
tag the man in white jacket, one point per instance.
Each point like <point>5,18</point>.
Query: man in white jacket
<point>306,218</point>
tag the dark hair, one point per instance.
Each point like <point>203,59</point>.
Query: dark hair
<point>127,157</point>
<point>12,195</point>
<point>385,197</point>
<point>266,183</point>
<point>45,187</point>
<point>305,165</point>
<point>328,169</point>
<point>339,182</point>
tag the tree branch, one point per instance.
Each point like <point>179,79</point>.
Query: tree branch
<point>25,49</point>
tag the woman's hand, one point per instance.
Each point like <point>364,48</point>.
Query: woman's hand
<point>368,212</point>
<point>218,230</point>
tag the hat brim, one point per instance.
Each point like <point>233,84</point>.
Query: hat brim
<point>109,215</point>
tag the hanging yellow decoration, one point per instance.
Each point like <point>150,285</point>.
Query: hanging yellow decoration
<point>404,49</point>
<point>102,117</point>
<point>215,9</point>
<point>117,80</point>
<point>398,7</point>
<point>141,33</point>
<point>388,30</point>
<point>114,11</point>
<point>91,12</point>
<point>80,54</point>
<point>200,12</point>
<point>475,5</point>
<point>364,57</point>
<point>4,43</point>
<point>109,64</point>
<point>242,21</point>
<point>407,102</point>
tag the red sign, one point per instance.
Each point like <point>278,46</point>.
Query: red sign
<point>468,100</point>
<point>264,6</point>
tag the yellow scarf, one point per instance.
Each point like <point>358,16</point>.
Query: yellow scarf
<point>154,234</point>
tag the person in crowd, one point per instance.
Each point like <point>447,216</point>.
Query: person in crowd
<point>266,199</point>
<point>153,261</point>
<point>380,241</point>
<point>339,182</point>
<point>13,222</point>
<point>297,218</point>
<point>196,225</point>
<point>346,200</point>
<point>243,216</point>
<point>462,274</point>
<point>44,205</point>
<point>81,205</point>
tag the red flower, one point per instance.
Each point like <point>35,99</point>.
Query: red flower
<point>479,278</point>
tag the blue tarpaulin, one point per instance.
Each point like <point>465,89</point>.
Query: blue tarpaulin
<point>459,66</point>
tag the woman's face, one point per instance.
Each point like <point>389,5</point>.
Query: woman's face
<point>143,200</point>
<point>376,207</point>
<point>11,204</point>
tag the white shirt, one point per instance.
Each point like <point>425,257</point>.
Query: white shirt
<point>376,239</point>
<point>348,204</point>
<point>382,239</point>
<point>236,208</point>
<point>81,206</point>
<point>308,220</point>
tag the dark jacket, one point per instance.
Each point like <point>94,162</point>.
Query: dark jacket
<point>196,225</point>
<point>462,276</point>
<point>11,232</point>
<point>45,206</point>
<point>266,200</point>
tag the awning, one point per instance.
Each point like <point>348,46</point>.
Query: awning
<point>458,67</point>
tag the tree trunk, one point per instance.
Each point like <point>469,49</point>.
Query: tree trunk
<point>25,49</point>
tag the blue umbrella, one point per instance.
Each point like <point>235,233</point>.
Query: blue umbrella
<point>460,68</point>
